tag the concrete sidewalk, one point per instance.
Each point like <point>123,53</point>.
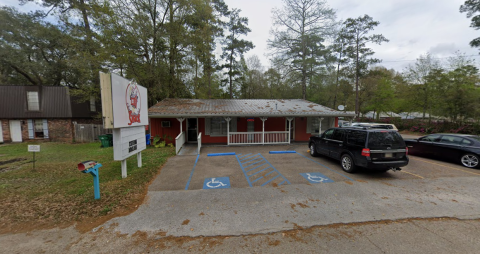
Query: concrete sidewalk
<point>267,209</point>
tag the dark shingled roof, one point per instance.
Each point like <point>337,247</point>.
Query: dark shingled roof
<point>240,108</point>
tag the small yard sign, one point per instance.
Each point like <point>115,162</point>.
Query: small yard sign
<point>34,148</point>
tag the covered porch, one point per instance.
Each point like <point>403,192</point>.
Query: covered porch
<point>240,122</point>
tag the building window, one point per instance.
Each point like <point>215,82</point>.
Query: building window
<point>218,126</point>
<point>92,104</point>
<point>39,129</point>
<point>32,100</point>
<point>314,124</point>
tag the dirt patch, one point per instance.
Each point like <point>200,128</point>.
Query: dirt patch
<point>388,184</point>
<point>13,167</point>
<point>348,182</point>
<point>274,184</point>
<point>12,160</point>
<point>303,205</point>
<point>185,222</point>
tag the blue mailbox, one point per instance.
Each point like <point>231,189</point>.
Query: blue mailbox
<point>92,168</point>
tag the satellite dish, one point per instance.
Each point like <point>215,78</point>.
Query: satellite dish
<point>341,107</point>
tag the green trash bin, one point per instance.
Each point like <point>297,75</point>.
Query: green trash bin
<point>105,141</point>
<point>110,139</point>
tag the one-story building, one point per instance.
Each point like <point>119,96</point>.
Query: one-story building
<point>240,121</point>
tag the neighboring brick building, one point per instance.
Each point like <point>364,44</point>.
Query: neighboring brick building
<point>42,113</point>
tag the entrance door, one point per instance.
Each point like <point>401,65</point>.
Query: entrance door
<point>250,128</point>
<point>15,131</point>
<point>292,131</point>
<point>192,129</point>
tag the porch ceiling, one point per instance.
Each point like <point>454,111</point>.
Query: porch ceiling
<point>240,108</point>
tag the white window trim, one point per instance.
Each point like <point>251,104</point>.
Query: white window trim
<point>93,107</point>
<point>30,104</point>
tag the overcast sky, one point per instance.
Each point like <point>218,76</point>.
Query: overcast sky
<point>414,27</point>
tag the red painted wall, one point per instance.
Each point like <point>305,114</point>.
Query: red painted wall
<point>209,139</point>
<point>301,129</point>
<point>172,131</point>
<point>271,124</point>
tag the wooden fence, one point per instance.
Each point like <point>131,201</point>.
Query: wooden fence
<point>89,132</point>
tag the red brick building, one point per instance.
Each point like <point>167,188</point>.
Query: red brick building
<point>42,113</point>
<point>237,121</point>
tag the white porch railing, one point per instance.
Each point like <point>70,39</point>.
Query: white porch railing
<point>179,141</point>
<point>199,141</point>
<point>252,138</point>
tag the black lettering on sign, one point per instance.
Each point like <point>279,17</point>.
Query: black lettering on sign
<point>132,146</point>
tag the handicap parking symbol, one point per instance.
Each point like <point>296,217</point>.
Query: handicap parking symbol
<point>316,178</point>
<point>216,183</point>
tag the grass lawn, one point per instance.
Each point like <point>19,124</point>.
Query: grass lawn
<point>56,193</point>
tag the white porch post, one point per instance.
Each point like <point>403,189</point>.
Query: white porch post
<point>181,119</point>
<point>263,129</point>
<point>320,127</point>
<point>289,119</point>
<point>228,129</point>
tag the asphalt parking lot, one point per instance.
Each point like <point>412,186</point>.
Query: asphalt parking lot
<point>256,166</point>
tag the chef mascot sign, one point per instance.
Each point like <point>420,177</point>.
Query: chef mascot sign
<point>125,110</point>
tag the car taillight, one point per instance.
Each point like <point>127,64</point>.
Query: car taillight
<point>406,150</point>
<point>366,152</point>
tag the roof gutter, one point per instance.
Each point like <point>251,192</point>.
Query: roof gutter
<point>249,115</point>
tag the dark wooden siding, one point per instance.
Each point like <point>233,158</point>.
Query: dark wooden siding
<point>54,102</point>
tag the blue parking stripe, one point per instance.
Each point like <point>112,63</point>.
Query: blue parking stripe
<point>249,157</point>
<point>270,172</point>
<point>191,174</point>
<point>245,173</point>
<point>244,155</point>
<point>258,172</point>
<point>257,179</point>
<point>281,183</point>
<point>256,166</point>
<point>253,164</point>
<point>250,160</point>
<point>270,180</point>
<point>244,165</point>
<point>326,167</point>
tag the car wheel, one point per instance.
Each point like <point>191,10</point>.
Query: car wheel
<point>313,152</point>
<point>347,164</point>
<point>470,160</point>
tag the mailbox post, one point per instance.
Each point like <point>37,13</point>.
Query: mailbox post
<point>92,168</point>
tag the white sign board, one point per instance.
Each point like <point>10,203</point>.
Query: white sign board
<point>129,102</point>
<point>128,141</point>
<point>34,148</point>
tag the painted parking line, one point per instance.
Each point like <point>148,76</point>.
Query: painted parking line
<point>326,167</point>
<point>220,154</point>
<point>316,177</point>
<point>280,152</point>
<point>403,171</point>
<point>438,164</point>
<point>191,174</point>
<point>255,168</point>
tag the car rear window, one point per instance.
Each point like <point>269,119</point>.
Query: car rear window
<point>475,137</point>
<point>357,138</point>
<point>384,139</point>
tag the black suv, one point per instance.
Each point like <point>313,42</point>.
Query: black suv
<point>372,148</point>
